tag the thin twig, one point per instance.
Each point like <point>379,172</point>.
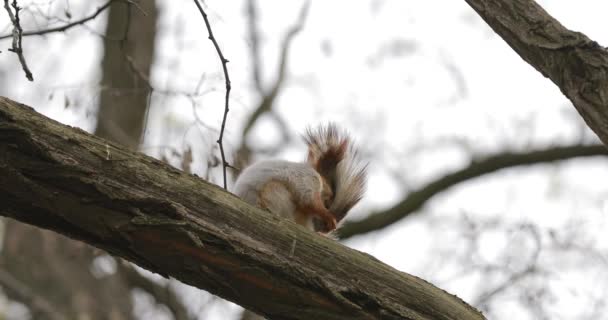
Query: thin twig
<point>228,87</point>
<point>16,34</point>
<point>484,298</point>
<point>64,27</point>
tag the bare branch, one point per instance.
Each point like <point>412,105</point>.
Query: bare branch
<point>178,225</point>
<point>67,26</point>
<point>17,33</point>
<point>268,98</point>
<point>254,38</point>
<point>575,63</point>
<point>228,86</point>
<point>416,199</point>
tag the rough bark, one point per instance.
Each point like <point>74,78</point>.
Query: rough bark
<point>575,63</point>
<point>416,199</point>
<point>178,225</point>
<point>65,280</point>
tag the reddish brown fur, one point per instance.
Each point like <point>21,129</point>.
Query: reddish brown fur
<point>317,208</point>
<point>327,147</point>
<point>303,211</point>
<point>331,157</point>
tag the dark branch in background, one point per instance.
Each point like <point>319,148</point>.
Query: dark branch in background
<point>268,98</point>
<point>67,26</point>
<point>227,78</point>
<point>254,38</point>
<point>162,294</point>
<point>39,306</point>
<point>179,225</point>
<point>416,199</point>
<point>575,63</point>
<point>17,48</point>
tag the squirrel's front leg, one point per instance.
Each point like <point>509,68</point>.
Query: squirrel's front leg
<point>316,208</point>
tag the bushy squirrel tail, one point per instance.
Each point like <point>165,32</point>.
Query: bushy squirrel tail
<point>334,156</point>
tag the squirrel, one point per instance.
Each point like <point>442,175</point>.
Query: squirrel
<point>317,193</point>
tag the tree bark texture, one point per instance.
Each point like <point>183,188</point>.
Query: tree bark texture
<point>65,279</point>
<point>575,63</point>
<point>176,224</point>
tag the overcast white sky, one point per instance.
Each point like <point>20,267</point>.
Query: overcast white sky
<point>425,86</point>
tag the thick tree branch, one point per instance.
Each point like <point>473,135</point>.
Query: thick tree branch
<point>576,64</point>
<point>416,199</point>
<point>178,225</point>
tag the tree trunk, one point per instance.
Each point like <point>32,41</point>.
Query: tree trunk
<point>128,56</point>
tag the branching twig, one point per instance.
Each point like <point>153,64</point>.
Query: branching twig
<point>16,34</point>
<point>268,97</point>
<point>64,27</point>
<point>531,267</point>
<point>228,87</point>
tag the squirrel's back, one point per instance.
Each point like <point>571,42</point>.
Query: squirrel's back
<point>300,177</point>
